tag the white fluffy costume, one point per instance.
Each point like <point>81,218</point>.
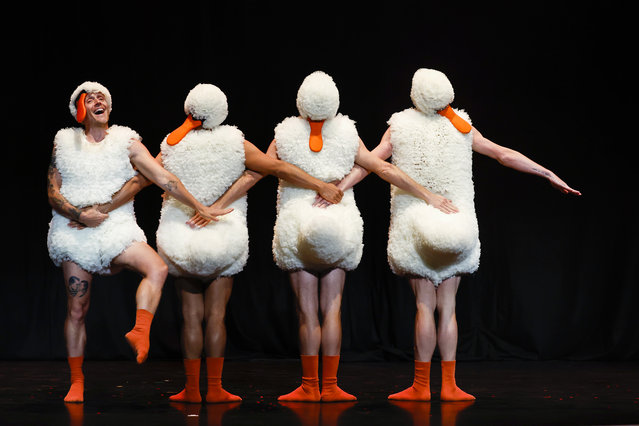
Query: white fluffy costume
<point>422,240</point>
<point>91,174</point>
<point>307,237</point>
<point>207,161</point>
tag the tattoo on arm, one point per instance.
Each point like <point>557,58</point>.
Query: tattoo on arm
<point>170,186</point>
<point>58,202</point>
<point>545,173</point>
<point>77,287</point>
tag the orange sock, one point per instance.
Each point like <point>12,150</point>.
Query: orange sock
<point>420,391</point>
<point>191,391</point>
<point>138,337</point>
<point>76,391</point>
<point>214,391</point>
<point>309,390</point>
<point>330,391</point>
<point>450,391</point>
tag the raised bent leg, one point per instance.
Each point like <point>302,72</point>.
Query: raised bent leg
<point>141,258</point>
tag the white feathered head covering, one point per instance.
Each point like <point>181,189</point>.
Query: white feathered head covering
<point>88,87</point>
<point>205,106</point>
<point>318,97</point>
<point>207,103</point>
<point>431,90</point>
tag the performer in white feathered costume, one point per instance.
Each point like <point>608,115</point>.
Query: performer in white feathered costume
<point>91,183</point>
<point>211,160</point>
<point>433,143</point>
<point>317,243</point>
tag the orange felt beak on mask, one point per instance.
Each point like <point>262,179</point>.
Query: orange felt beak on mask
<point>315,141</point>
<point>178,134</point>
<point>81,110</point>
<point>459,123</point>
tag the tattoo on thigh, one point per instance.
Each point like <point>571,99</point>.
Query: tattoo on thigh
<point>78,287</point>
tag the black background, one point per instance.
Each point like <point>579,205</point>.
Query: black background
<point>558,274</point>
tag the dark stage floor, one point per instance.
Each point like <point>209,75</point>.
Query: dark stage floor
<point>508,393</point>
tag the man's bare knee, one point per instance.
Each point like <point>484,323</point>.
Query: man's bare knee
<point>77,311</point>
<point>157,274</point>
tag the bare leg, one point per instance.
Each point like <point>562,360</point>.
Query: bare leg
<point>447,340</point>
<point>216,298</point>
<point>447,327</point>
<point>331,289</point>
<point>425,330</point>
<point>141,258</point>
<point>304,286</point>
<point>78,286</point>
<point>425,341</point>
<point>191,294</point>
<point>192,297</point>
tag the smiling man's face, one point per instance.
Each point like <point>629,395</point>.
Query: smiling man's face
<point>97,109</point>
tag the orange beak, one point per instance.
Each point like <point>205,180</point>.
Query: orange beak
<point>315,141</point>
<point>81,110</point>
<point>178,134</point>
<point>459,123</point>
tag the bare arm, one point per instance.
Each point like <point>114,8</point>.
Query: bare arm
<point>238,189</point>
<point>152,170</point>
<point>391,174</point>
<point>383,151</point>
<point>269,164</point>
<point>517,161</point>
<point>128,191</point>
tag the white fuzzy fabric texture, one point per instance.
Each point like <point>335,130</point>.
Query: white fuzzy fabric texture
<point>318,97</point>
<point>89,87</point>
<point>431,90</point>
<point>91,174</point>
<point>422,240</point>
<point>307,237</point>
<point>207,162</point>
<point>208,103</point>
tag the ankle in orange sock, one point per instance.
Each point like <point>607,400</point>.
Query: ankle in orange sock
<point>420,390</point>
<point>138,337</point>
<point>309,390</point>
<point>330,391</point>
<point>191,391</point>
<point>450,391</point>
<point>76,391</point>
<point>214,392</point>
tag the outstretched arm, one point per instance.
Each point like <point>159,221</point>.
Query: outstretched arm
<point>391,174</point>
<point>269,164</point>
<point>517,161</point>
<point>152,170</point>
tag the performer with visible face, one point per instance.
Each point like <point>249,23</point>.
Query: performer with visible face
<point>91,181</point>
